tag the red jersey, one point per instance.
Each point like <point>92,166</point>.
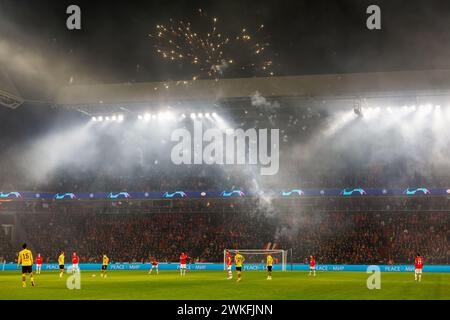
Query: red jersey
<point>418,263</point>
<point>38,260</point>
<point>229,260</point>
<point>154,262</point>
<point>74,259</point>
<point>183,258</point>
<point>312,262</point>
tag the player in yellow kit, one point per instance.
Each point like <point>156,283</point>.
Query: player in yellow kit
<point>61,264</point>
<point>238,261</point>
<point>104,265</point>
<point>26,260</point>
<point>269,266</point>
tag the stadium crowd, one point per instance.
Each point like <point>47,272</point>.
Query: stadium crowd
<point>139,235</point>
<point>374,238</point>
<point>6,248</point>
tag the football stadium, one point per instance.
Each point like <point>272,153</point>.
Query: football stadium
<point>197,152</point>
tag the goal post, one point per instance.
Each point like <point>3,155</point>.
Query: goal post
<point>258,256</point>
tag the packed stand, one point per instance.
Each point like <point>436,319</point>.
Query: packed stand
<point>332,237</point>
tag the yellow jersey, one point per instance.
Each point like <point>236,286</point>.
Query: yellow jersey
<point>25,258</point>
<point>238,260</point>
<point>269,260</point>
<point>61,259</point>
<point>105,260</point>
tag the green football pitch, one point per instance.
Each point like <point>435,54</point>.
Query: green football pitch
<point>212,285</point>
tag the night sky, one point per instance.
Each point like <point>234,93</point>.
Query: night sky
<point>306,37</point>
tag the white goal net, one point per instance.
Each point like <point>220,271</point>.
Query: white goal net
<point>258,257</point>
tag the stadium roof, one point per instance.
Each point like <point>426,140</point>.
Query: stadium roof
<point>335,86</point>
<point>9,96</point>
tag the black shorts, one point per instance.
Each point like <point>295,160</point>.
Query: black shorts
<point>238,268</point>
<point>27,269</point>
<point>269,268</point>
<point>104,267</point>
<point>61,267</point>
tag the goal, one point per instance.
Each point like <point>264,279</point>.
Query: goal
<point>258,257</point>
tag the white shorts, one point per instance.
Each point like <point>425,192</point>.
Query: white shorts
<point>418,271</point>
<point>75,266</point>
<point>38,265</point>
<point>229,267</point>
<point>312,268</point>
<point>182,266</point>
<point>154,266</point>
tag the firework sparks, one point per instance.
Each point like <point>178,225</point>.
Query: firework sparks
<point>212,52</point>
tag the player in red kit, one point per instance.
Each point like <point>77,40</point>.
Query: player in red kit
<point>418,266</point>
<point>229,263</point>
<point>38,263</point>
<point>154,264</point>
<point>75,261</point>
<point>183,258</point>
<point>312,266</point>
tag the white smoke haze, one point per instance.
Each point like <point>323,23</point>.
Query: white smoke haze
<point>73,148</point>
<point>405,144</point>
<point>220,68</point>
<point>261,102</point>
<point>415,142</point>
<point>265,200</point>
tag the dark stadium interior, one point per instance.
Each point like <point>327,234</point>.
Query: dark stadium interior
<point>401,140</point>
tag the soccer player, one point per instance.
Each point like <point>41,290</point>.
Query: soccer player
<point>61,264</point>
<point>229,262</point>
<point>26,260</point>
<point>312,266</point>
<point>183,258</point>
<point>238,261</point>
<point>75,261</point>
<point>105,263</point>
<point>38,263</point>
<point>418,266</point>
<point>154,264</point>
<point>269,266</point>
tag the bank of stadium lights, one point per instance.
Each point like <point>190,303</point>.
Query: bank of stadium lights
<point>161,116</point>
<point>170,116</point>
<point>423,108</point>
<point>219,122</point>
<point>113,118</point>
